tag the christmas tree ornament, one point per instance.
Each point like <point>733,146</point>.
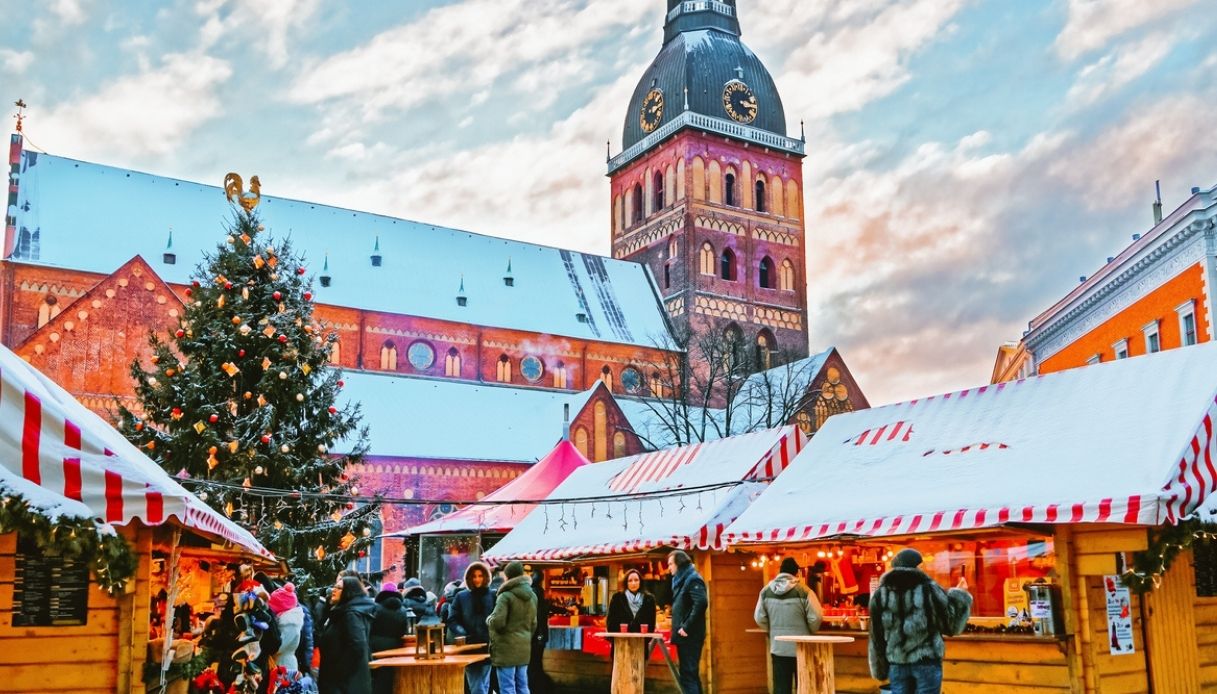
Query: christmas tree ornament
<point>272,262</point>
<point>246,238</point>
<point>274,276</point>
<point>212,462</point>
<point>367,532</point>
<point>355,491</point>
<point>265,438</point>
<point>195,284</point>
<point>261,400</point>
<point>362,553</point>
<point>139,426</point>
<point>203,496</point>
<point>244,330</point>
<point>220,301</point>
<point>245,293</point>
<point>258,262</point>
<point>200,427</point>
<point>230,368</point>
<point>308,296</point>
<point>236,320</point>
<point>176,413</point>
<point>278,295</point>
<point>335,516</point>
<point>241,352</point>
<point>270,250</point>
<point>152,381</point>
<point>269,331</point>
<point>247,483</point>
<point>305,368</point>
<point>189,291</point>
<point>151,445</point>
<point>227,285</point>
<point>300,270</point>
<point>248,395</point>
<point>299,397</point>
<point>231,240</point>
<point>285,448</point>
<point>156,359</point>
<point>282,375</point>
<point>170,371</point>
<point>282,339</point>
<point>332,410</point>
<point>321,449</point>
<point>282,307</point>
<point>261,228</point>
<point>319,553</point>
<point>341,383</point>
<point>266,363</point>
<point>233,446</point>
<point>278,525</point>
<point>179,333</point>
<point>214,418</point>
<point>258,470</point>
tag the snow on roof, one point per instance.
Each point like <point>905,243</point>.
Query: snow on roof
<point>408,416</point>
<point>94,218</point>
<point>535,483</point>
<point>612,524</point>
<point>54,443</point>
<point>1123,442</point>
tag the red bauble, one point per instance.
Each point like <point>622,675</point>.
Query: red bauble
<point>350,505</point>
<point>214,418</point>
<point>308,296</point>
<point>300,271</point>
<point>240,352</point>
<point>362,554</point>
<point>265,438</point>
<point>341,383</point>
<point>195,284</point>
<point>180,333</point>
<point>283,338</point>
<point>177,412</point>
<point>189,291</point>
<point>277,295</point>
<point>228,285</point>
<point>333,410</point>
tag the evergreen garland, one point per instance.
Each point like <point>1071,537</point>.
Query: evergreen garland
<point>110,558</point>
<point>244,394</point>
<point>1165,544</point>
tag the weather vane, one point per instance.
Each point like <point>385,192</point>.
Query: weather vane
<point>234,189</point>
<point>20,104</point>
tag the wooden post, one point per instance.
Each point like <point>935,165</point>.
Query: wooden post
<point>629,665</point>
<point>816,674</point>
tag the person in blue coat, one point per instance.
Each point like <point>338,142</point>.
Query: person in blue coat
<point>689,602</point>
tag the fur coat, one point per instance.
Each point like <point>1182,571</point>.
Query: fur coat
<point>909,615</point>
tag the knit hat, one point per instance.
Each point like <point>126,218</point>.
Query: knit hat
<point>789,566</point>
<point>283,599</point>
<point>410,583</point>
<point>388,587</point>
<point>514,570</point>
<point>907,559</point>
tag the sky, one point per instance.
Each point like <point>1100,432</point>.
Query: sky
<point>967,160</point>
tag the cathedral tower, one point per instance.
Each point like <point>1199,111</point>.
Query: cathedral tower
<point>707,190</point>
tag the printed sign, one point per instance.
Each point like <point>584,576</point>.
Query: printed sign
<point>1119,616</point>
<point>1015,597</point>
<point>48,590</point>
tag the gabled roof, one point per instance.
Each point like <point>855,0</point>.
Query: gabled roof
<point>413,417</point>
<point>534,483</point>
<point>1129,441</point>
<point>92,217</point>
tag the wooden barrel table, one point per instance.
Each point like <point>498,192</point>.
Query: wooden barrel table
<point>815,662</point>
<point>629,660</point>
<point>432,676</point>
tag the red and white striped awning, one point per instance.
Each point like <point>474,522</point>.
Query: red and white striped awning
<point>603,518</point>
<point>49,439</point>
<point>1128,442</point>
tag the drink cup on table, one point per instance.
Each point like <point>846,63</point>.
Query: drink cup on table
<point>623,628</point>
<point>646,628</point>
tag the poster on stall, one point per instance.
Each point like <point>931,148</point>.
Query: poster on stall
<point>1119,615</point>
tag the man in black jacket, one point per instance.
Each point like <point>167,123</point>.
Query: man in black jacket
<point>689,601</point>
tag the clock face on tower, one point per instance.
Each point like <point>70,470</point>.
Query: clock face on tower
<point>739,102</point>
<point>652,111</point>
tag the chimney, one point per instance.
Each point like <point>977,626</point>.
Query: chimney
<point>1136,237</point>
<point>325,272</point>
<point>509,279</point>
<point>169,257</point>
<point>461,299</point>
<point>566,422</point>
<point>1158,203</point>
<point>1081,278</point>
<point>376,257</point>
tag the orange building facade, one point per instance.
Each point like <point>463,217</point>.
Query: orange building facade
<point>1155,295</point>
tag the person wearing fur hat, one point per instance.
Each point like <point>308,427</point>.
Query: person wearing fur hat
<point>290,617</point>
<point>420,601</point>
<point>344,640</point>
<point>512,623</point>
<point>786,607</point>
<point>470,609</point>
<point>909,615</point>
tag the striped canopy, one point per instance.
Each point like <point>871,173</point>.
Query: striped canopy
<point>604,508</point>
<point>67,452</point>
<point>1128,442</point>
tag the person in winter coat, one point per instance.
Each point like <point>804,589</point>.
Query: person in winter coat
<point>512,624</point>
<point>420,601</point>
<point>538,681</point>
<point>470,609</point>
<point>909,615</point>
<point>632,607</point>
<point>447,598</point>
<point>304,652</point>
<point>786,608</point>
<point>390,622</point>
<point>344,640</point>
<point>290,617</point>
<point>689,602</point>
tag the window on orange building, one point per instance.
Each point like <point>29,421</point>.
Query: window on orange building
<point>48,309</point>
<point>581,440</point>
<point>1153,340</point>
<point>559,375</point>
<point>1121,349</point>
<point>618,445</point>
<point>1187,323</point>
<point>606,375</point>
<point>336,352</point>
<point>1095,359</point>
<point>452,363</point>
<point>504,369</point>
<point>388,356</point>
<point>708,259</point>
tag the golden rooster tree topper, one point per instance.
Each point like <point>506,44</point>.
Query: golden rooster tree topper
<point>234,188</point>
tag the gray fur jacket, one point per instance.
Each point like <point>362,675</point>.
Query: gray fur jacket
<point>909,615</point>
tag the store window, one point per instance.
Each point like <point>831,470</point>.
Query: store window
<point>421,355</point>
<point>1187,323</point>
<point>1153,340</point>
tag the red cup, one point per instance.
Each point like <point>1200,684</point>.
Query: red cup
<point>646,628</point>
<point>623,628</point>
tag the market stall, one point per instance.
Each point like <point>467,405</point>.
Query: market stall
<point>627,514</point>
<point>447,545</point>
<point>84,518</point>
<point>1039,494</point>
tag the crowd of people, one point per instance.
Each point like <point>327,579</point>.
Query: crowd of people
<point>271,643</point>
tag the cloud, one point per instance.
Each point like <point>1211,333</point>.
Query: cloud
<point>538,46</point>
<point>1091,24</point>
<point>270,22</point>
<point>68,12</point>
<point>147,113</point>
<point>15,61</point>
<point>1118,68</point>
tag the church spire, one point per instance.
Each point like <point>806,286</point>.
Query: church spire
<point>719,15</point>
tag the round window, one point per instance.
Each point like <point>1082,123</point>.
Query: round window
<point>532,369</point>
<point>631,379</point>
<point>421,355</point>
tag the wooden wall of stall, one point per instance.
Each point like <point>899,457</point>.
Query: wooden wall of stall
<point>104,655</point>
<point>735,661</point>
<point>1206,642</point>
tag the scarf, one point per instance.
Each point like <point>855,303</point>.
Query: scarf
<point>634,600</point>
<point>681,577</point>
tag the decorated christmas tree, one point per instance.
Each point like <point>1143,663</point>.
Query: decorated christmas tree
<point>241,404</point>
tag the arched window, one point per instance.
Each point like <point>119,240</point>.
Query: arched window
<point>48,309</point>
<point>504,369</point>
<point>658,191</point>
<point>581,440</point>
<point>729,196</point>
<point>336,352</point>
<point>606,375</point>
<point>673,246</point>
<point>707,259</point>
<point>559,375</point>
<point>760,196</point>
<point>388,356</point>
<point>618,445</point>
<point>667,276</point>
<point>786,280</point>
<point>765,344</point>
<point>600,424</point>
<point>656,385</point>
<point>726,268</point>
<point>776,202</point>
<point>733,345</point>
<point>639,203</point>
<point>767,275</point>
<point>452,363</point>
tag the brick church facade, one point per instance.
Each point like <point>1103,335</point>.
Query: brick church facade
<point>468,352</point>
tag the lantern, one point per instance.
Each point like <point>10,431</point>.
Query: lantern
<point>429,642</point>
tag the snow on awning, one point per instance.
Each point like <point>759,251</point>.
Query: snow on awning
<point>603,518</point>
<point>50,440</point>
<point>1126,442</point>
<point>536,483</point>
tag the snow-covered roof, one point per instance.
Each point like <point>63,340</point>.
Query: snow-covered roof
<point>725,474</point>
<point>1128,441</point>
<point>95,218</point>
<point>537,482</point>
<point>55,444</point>
<point>408,416</point>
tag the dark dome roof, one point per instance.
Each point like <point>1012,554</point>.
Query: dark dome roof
<point>703,52</point>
